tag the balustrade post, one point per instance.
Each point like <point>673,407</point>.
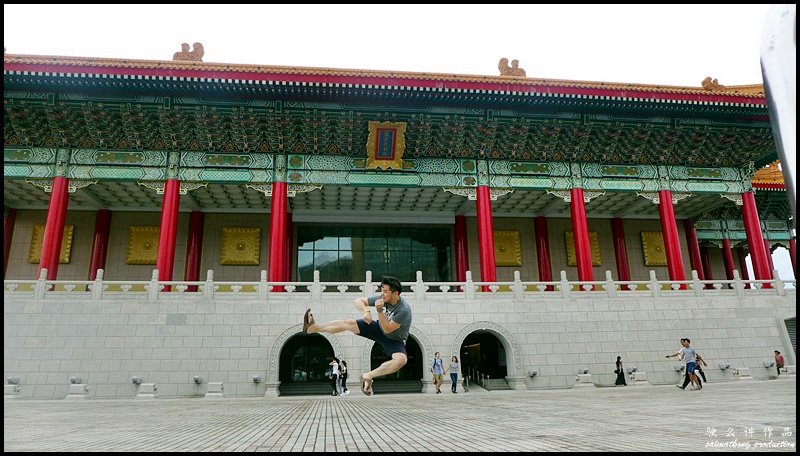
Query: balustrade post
<point>565,287</point>
<point>778,283</point>
<point>208,289</point>
<point>738,284</point>
<point>518,287</point>
<point>152,290</point>
<point>97,286</point>
<point>419,288</point>
<point>368,287</point>
<point>698,287</point>
<point>611,288</point>
<point>316,288</point>
<point>263,288</point>
<point>41,284</point>
<point>469,286</point>
<point>655,288</point>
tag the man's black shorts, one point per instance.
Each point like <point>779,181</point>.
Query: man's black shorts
<point>373,331</point>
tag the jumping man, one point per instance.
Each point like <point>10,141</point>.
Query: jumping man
<point>390,330</point>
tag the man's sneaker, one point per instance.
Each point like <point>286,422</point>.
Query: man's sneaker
<point>681,387</point>
<point>346,392</point>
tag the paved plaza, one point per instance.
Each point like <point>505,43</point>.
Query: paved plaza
<point>728,416</point>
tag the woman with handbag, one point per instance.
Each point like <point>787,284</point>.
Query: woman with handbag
<point>620,373</point>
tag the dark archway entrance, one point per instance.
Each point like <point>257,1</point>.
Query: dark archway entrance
<point>303,367</point>
<point>482,352</point>
<point>408,379</point>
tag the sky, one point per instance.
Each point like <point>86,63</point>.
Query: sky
<point>675,45</point>
<point>650,44</point>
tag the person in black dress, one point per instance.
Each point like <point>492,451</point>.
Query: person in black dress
<point>620,373</point>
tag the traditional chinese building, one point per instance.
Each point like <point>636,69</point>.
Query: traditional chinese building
<point>526,216</point>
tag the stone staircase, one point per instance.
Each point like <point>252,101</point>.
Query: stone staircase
<point>497,384</point>
<point>324,388</point>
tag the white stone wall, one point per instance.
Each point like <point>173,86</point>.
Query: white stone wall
<point>232,338</point>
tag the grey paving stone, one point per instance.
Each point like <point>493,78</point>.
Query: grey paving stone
<point>725,416</point>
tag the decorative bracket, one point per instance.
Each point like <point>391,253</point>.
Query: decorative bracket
<point>185,187</point>
<point>565,195</point>
<point>291,189</point>
<point>736,198</point>
<point>676,197</point>
<point>652,196</point>
<point>472,194</point>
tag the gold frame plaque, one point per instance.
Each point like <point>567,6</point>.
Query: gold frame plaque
<point>655,253</point>
<point>594,245</point>
<point>386,144</point>
<point>240,246</point>
<point>142,245</point>
<point>507,251</point>
<point>37,237</point>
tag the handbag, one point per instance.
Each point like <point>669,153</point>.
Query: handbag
<point>616,371</point>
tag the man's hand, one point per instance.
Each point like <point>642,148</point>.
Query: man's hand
<point>379,305</point>
<point>367,317</point>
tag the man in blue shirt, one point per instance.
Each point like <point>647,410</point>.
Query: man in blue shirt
<point>689,355</point>
<point>438,373</point>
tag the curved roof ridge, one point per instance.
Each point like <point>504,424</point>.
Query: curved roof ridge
<point>751,90</point>
<point>770,174</point>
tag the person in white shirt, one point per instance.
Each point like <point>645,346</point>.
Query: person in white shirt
<point>335,382</point>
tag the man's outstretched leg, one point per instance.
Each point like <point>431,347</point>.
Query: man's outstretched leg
<point>389,367</point>
<point>310,326</point>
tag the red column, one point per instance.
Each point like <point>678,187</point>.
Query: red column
<point>768,253</point>
<point>277,235</point>
<point>752,227</point>
<point>672,245</point>
<point>10,216</point>
<point>486,236</point>
<point>792,247</point>
<point>54,229</point>
<point>168,232</point>
<point>102,230</point>
<point>727,258</point>
<point>694,249</point>
<point>194,249</point>
<point>744,273</point>
<point>289,246</point>
<point>580,231</point>
<point>706,262</point>
<point>620,249</point>
<point>543,250</point>
<point>462,254</point>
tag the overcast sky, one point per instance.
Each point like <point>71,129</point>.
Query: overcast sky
<point>649,44</point>
<point>675,45</point>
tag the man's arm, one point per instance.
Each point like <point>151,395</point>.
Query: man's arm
<point>387,326</point>
<point>362,304</point>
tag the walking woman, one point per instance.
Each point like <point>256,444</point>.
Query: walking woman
<point>343,376</point>
<point>453,369</point>
<point>620,373</point>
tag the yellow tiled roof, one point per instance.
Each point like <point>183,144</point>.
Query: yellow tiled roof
<point>770,174</point>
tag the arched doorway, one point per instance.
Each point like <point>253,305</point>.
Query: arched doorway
<point>483,354</point>
<point>303,367</point>
<point>408,379</point>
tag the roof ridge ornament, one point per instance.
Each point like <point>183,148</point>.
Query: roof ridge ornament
<point>195,55</point>
<point>513,70</point>
<point>712,85</point>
